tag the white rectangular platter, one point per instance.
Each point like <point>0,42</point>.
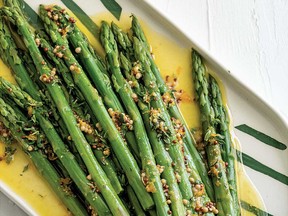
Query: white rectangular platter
<point>245,106</point>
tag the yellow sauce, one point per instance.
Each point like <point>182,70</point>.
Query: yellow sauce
<point>172,60</point>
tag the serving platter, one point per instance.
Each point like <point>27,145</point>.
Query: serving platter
<point>246,109</point>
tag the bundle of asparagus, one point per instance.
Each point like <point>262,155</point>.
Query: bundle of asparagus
<point>114,128</point>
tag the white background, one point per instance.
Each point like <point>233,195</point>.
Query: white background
<point>250,37</point>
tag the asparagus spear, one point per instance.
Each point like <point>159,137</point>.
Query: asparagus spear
<point>151,174</point>
<point>200,198</point>
<point>9,118</point>
<point>78,106</point>
<point>33,85</point>
<point>92,64</point>
<point>217,166</point>
<point>8,53</point>
<point>24,69</point>
<point>169,181</point>
<point>161,121</point>
<point>138,33</point>
<point>96,69</point>
<point>228,153</point>
<point>92,97</point>
<point>32,89</point>
<point>65,111</point>
<point>125,45</point>
<point>22,66</point>
<point>66,157</point>
<point>20,63</point>
<point>123,41</point>
<point>134,201</point>
<point>173,109</point>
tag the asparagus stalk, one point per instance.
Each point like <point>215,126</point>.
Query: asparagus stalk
<point>65,156</point>
<point>201,201</point>
<point>9,118</point>
<point>151,173</point>
<point>67,20</point>
<point>161,121</point>
<point>173,109</point>
<point>92,97</point>
<point>28,64</point>
<point>78,106</point>
<point>24,71</point>
<point>8,53</point>
<point>21,64</point>
<point>216,164</point>
<point>48,77</point>
<point>91,64</point>
<point>228,153</point>
<point>16,4</point>
<point>124,43</point>
<point>139,34</point>
<point>134,201</point>
<point>169,181</point>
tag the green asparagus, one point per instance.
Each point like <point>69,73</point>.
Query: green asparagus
<point>217,166</point>
<point>125,45</point>
<point>66,157</point>
<point>8,54</point>
<point>173,109</point>
<point>92,65</point>
<point>134,201</point>
<point>78,106</point>
<point>47,100</point>
<point>16,126</point>
<point>48,77</point>
<point>169,181</point>
<point>151,174</point>
<point>161,121</point>
<point>151,146</point>
<point>228,152</point>
<point>92,97</point>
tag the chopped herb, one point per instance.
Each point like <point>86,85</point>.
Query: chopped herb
<point>9,153</point>
<point>25,168</point>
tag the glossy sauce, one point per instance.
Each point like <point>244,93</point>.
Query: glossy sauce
<point>172,60</point>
